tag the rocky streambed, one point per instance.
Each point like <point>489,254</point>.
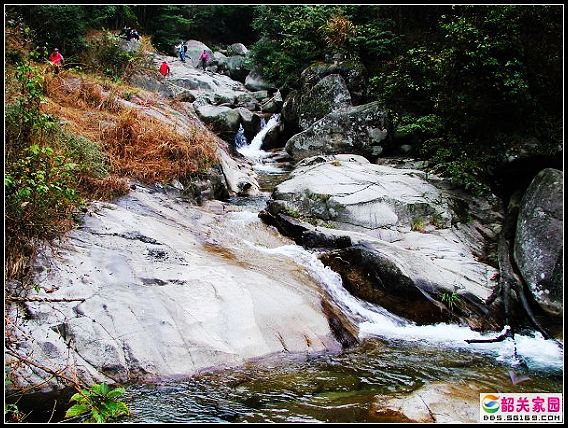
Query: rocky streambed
<point>336,292</point>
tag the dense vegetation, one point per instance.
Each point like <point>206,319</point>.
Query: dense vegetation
<point>465,85</point>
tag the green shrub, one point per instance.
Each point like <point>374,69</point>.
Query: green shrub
<point>417,224</point>
<point>40,191</point>
<point>100,401</point>
<point>105,55</point>
<point>421,127</point>
<point>86,154</point>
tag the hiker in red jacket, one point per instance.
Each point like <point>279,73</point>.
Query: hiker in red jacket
<point>56,59</point>
<point>165,69</point>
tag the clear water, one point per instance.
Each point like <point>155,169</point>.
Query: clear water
<point>329,388</point>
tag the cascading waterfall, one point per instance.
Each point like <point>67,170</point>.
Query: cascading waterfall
<point>253,150</point>
<point>375,321</point>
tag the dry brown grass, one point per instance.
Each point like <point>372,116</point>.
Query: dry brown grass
<point>144,148</point>
<point>136,144</point>
<point>103,189</point>
<point>81,93</point>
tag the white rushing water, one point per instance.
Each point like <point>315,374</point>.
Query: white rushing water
<point>254,152</point>
<point>375,321</point>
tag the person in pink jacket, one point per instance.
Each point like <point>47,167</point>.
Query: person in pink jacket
<point>203,58</point>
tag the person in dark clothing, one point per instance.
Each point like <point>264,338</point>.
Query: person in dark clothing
<point>124,33</point>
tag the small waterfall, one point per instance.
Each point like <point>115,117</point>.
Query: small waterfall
<point>375,321</point>
<point>253,151</point>
<point>240,139</point>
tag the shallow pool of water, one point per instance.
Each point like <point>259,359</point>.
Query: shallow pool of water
<point>329,388</point>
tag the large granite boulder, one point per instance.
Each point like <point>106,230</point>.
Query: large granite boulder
<point>359,130</point>
<point>409,246</point>
<point>538,246</point>
<point>194,49</point>
<point>237,49</point>
<point>354,73</point>
<point>250,121</point>
<point>273,104</point>
<point>224,120</point>
<point>255,82</point>
<point>237,67</point>
<point>327,95</point>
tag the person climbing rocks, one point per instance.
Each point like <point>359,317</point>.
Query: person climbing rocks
<point>185,51</point>
<point>165,69</point>
<point>57,60</point>
<point>203,58</point>
<point>181,50</point>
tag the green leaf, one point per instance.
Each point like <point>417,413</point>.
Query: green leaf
<point>77,397</point>
<point>76,410</point>
<point>101,389</point>
<point>97,416</point>
<point>117,392</point>
<point>116,409</point>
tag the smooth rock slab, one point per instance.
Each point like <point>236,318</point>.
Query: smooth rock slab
<point>164,297</point>
<point>433,403</point>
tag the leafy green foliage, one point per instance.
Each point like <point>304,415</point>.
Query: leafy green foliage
<point>474,77</point>
<point>100,402</point>
<point>450,299</point>
<point>421,128</point>
<point>104,54</point>
<point>24,117</point>
<point>87,155</point>
<point>417,224</point>
<point>291,38</point>
<point>39,188</point>
<point>13,414</point>
<point>61,26</point>
<point>373,41</point>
